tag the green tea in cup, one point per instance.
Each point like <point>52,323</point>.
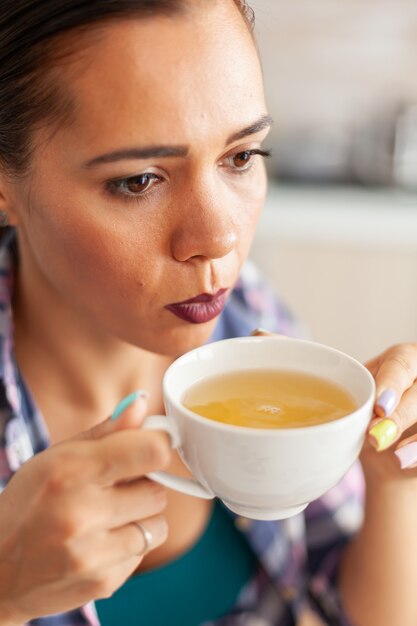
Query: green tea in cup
<point>269,399</point>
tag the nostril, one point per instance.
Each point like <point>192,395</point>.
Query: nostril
<point>206,244</point>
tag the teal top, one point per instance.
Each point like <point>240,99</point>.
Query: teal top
<point>201,585</point>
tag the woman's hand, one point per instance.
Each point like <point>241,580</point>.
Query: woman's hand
<point>394,427</point>
<point>67,518</point>
<point>378,574</point>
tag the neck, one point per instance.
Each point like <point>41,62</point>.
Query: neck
<point>68,363</point>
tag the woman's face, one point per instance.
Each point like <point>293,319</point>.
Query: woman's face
<point>150,195</point>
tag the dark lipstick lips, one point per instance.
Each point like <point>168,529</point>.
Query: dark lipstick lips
<point>201,309</point>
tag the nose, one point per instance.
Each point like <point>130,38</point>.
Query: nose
<point>208,228</point>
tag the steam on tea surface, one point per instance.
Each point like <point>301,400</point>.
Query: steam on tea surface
<point>269,399</point>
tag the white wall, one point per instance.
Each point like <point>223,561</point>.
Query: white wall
<point>336,62</point>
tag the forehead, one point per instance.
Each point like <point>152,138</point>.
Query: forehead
<point>183,76</point>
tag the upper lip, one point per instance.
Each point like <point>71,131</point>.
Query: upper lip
<point>202,297</point>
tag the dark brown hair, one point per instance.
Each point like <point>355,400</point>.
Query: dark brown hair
<point>30,31</point>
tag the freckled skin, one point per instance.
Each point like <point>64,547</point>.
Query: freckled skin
<point>114,263</point>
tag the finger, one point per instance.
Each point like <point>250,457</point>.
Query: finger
<point>139,499</point>
<point>373,365</point>
<point>406,452</point>
<point>262,332</point>
<point>110,549</point>
<point>129,540</point>
<point>114,578</point>
<point>116,575</point>
<point>396,374</point>
<point>384,432</point>
<point>129,413</point>
<point>126,455</point>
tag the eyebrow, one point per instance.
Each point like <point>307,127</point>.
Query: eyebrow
<point>148,152</point>
<point>264,122</point>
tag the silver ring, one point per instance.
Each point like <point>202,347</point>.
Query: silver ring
<point>147,538</point>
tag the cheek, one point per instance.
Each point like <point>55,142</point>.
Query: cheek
<point>81,256</point>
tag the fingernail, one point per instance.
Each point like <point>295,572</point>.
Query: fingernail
<point>386,403</point>
<point>383,434</point>
<point>127,401</point>
<point>260,331</point>
<point>407,455</point>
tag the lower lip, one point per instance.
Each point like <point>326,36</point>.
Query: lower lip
<point>199,312</point>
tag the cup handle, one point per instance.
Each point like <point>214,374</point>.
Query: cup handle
<point>186,485</point>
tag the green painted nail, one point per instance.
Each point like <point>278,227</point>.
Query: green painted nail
<point>127,401</point>
<point>385,433</point>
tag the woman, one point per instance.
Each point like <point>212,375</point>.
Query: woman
<point>131,181</point>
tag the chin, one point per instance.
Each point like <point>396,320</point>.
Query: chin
<point>176,341</point>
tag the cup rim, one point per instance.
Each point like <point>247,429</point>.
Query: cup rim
<point>294,431</point>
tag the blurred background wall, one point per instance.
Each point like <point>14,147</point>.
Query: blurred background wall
<point>340,74</point>
<point>338,236</point>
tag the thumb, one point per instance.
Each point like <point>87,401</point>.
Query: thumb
<point>129,413</point>
<point>260,332</point>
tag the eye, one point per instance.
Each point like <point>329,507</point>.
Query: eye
<point>243,161</point>
<point>134,185</point>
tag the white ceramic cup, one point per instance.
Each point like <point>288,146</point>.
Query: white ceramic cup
<point>258,473</point>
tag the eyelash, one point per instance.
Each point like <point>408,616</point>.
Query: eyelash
<point>118,187</point>
<point>252,152</point>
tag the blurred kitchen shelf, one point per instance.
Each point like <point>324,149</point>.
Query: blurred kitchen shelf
<point>352,215</point>
<point>345,260</point>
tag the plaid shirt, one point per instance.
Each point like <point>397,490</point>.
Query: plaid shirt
<point>298,557</point>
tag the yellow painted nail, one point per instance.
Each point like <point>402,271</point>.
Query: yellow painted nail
<point>384,433</point>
